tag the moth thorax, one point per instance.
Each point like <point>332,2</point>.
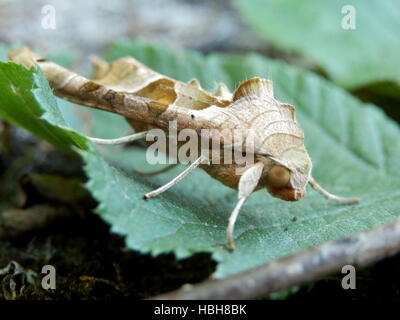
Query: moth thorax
<point>278,176</point>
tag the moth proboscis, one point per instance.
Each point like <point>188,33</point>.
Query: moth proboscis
<point>147,100</point>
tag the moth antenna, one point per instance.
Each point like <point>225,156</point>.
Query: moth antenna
<point>155,172</point>
<point>126,139</point>
<point>177,179</point>
<point>330,196</point>
<point>247,183</point>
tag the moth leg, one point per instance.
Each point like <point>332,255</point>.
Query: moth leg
<point>155,172</point>
<point>126,139</point>
<point>331,196</point>
<point>247,183</point>
<point>177,179</point>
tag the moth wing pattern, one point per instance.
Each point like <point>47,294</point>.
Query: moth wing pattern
<point>129,75</point>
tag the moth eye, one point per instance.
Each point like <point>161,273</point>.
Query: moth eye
<point>278,176</point>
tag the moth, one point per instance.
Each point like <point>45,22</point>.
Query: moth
<point>147,99</point>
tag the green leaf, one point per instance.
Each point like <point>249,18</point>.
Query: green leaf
<point>27,101</point>
<point>354,147</point>
<point>352,58</point>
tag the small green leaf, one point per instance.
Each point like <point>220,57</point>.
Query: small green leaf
<point>351,57</point>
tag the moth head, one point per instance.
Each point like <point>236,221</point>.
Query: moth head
<point>288,175</point>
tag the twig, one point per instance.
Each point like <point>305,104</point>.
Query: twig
<point>358,250</point>
<point>78,89</point>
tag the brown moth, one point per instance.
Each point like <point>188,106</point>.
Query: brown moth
<point>148,100</point>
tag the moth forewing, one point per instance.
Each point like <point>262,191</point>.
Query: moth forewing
<point>149,100</point>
